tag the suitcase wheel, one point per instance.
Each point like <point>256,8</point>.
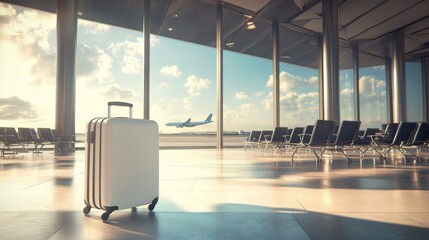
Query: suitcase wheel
<point>151,207</point>
<point>105,216</point>
<point>86,209</point>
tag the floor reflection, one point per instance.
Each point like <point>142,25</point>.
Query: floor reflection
<point>229,194</point>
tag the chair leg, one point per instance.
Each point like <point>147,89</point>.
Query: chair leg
<point>345,154</point>
<point>414,155</point>
<point>315,154</point>
<point>293,153</point>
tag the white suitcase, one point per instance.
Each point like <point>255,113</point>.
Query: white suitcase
<point>122,163</point>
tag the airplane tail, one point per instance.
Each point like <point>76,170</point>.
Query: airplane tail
<point>209,118</point>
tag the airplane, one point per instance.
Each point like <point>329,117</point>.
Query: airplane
<point>188,122</point>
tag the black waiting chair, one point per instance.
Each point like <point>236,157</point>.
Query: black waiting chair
<point>252,139</point>
<point>11,141</point>
<point>319,138</point>
<point>263,137</point>
<point>277,139</point>
<point>363,141</point>
<point>422,135</point>
<point>346,136</point>
<point>30,136</point>
<point>288,134</point>
<point>418,140</point>
<point>387,136</point>
<point>404,134</point>
<point>306,135</point>
<point>295,138</point>
<point>46,136</point>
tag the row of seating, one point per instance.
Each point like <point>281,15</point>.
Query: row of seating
<point>12,140</point>
<point>325,136</point>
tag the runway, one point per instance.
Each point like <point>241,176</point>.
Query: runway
<point>187,141</point>
<point>199,141</point>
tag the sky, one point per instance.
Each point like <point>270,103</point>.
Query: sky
<point>183,79</point>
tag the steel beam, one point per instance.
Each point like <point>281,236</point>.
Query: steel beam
<point>356,83</point>
<point>399,107</point>
<point>66,79</point>
<point>276,75</point>
<point>425,88</point>
<point>330,61</point>
<point>219,75</point>
<point>146,59</point>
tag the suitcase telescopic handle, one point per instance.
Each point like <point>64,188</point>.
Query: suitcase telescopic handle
<point>121,104</point>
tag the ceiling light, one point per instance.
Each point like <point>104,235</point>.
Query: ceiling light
<point>230,44</point>
<point>80,14</point>
<point>285,57</point>
<point>248,16</point>
<point>250,23</point>
<point>170,29</point>
<point>250,27</point>
<point>175,16</point>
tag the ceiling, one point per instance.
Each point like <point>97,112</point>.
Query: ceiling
<point>366,23</point>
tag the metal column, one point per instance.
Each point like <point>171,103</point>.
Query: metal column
<point>66,79</point>
<point>276,75</point>
<point>331,102</point>
<point>219,75</point>
<point>425,87</point>
<point>399,106</point>
<point>320,73</point>
<point>146,59</point>
<point>356,82</point>
<point>388,69</point>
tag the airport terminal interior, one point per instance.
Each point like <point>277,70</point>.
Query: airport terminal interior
<point>277,119</point>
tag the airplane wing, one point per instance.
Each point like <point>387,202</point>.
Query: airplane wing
<point>185,124</point>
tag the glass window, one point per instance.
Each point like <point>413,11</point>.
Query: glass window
<point>27,67</point>
<point>414,93</point>
<point>248,93</point>
<point>183,87</point>
<point>108,68</point>
<point>372,91</point>
<point>346,85</point>
<point>299,95</point>
<point>299,85</point>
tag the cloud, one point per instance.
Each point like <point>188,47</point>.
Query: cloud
<point>131,64</point>
<point>381,67</point>
<point>294,102</point>
<point>187,103</point>
<point>132,53</point>
<point>267,102</point>
<point>6,12</point>
<point>289,82</point>
<point>346,92</point>
<point>257,94</point>
<point>313,80</point>
<point>241,96</point>
<point>367,84</point>
<point>14,108</point>
<point>163,85</point>
<point>380,83</point>
<point>30,28</point>
<point>172,70</point>
<point>25,36</point>
<point>115,91</point>
<point>92,27</point>
<point>195,84</point>
<point>92,63</point>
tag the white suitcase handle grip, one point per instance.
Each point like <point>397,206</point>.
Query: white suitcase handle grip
<point>121,104</point>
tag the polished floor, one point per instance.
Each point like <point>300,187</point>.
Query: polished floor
<point>229,194</point>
